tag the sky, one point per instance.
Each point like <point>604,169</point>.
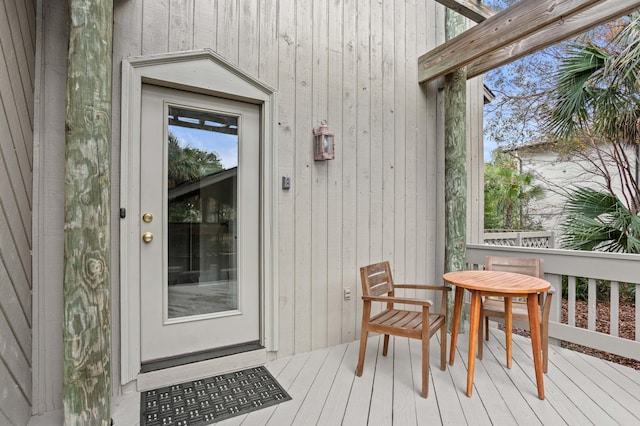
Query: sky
<point>489,145</point>
<point>225,145</point>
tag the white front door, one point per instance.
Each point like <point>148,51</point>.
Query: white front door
<point>199,220</point>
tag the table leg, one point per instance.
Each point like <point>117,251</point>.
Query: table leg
<point>534,326</point>
<point>474,321</point>
<point>457,310</point>
<point>508,326</point>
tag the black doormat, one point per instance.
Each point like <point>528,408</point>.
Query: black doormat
<point>205,401</point>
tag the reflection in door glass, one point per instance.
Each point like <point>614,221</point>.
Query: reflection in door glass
<point>202,202</point>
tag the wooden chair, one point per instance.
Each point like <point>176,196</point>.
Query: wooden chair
<point>496,307</point>
<point>378,286</point>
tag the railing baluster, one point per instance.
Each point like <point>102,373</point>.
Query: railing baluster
<point>637,292</point>
<point>593,300</point>
<point>614,308</point>
<point>571,301</point>
<point>595,267</point>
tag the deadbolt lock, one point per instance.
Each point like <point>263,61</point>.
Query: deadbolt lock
<point>147,237</point>
<point>147,217</point>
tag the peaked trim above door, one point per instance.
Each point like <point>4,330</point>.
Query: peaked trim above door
<point>201,71</point>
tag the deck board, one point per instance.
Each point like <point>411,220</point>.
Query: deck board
<point>357,410</point>
<point>579,389</point>
<point>403,403</point>
<point>336,402</point>
<point>626,412</point>
<point>425,407</point>
<point>316,398</point>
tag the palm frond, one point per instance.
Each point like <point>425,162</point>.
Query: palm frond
<point>626,64</point>
<point>574,95</point>
<point>599,221</point>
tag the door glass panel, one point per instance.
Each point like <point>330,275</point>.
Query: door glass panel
<point>202,209</point>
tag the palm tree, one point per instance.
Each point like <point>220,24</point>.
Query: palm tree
<point>187,164</point>
<point>508,193</point>
<point>598,105</point>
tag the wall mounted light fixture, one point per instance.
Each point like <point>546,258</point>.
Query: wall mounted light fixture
<point>323,143</point>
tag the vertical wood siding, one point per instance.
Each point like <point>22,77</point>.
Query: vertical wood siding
<point>17,67</point>
<point>352,63</point>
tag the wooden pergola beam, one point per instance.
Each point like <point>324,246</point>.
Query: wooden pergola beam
<point>472,9</point>
<point>502,29</point>
<point>558,31</point>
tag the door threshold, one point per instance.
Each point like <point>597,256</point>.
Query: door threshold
<point>199,356</point>
<point>200,369</point>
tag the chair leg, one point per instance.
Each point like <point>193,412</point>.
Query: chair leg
<point>480,334</point>
<point>443,346</point>
<point>385,347</point>
<point>544,339</point>
<point>363,348</point>
<point>486,328</point>
<point>508,328</point>
<point>425,365</point>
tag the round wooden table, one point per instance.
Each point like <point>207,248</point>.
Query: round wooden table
<point>496,283</point>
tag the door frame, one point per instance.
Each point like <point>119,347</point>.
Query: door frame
<point>205,72</point>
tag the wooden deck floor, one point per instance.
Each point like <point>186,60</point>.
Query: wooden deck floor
<point>579,389</point>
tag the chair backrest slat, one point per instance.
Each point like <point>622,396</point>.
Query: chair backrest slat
<point>533,267</point>
<point>376,279</point>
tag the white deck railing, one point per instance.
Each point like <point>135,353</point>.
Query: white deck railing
<point>536,239</point>
<point>614,267</point>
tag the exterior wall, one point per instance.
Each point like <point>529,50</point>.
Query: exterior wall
<point>17,53</point>
<point>475,160</point>
<point>558,175</point>
<point>351,63</point>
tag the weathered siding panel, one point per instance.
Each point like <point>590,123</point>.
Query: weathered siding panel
<point>17,59</point>
<point>287,42</point>
<point>362,171</point>
<point>352,63</point>
<point>334,176</point>
<point>319,203</point>
<point>428,135</point>
<point>181,28</point>
<point>48,205</point>
<point>399,143</point>
<point>347,145</point>
<point>475,158</point>
<point>302,179</point>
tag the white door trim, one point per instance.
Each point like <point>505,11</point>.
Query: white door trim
<point>205,72</point>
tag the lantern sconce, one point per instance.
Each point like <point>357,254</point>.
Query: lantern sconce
<point>323,143</point>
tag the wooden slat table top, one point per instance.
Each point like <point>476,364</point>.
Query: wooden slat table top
<point>497,282</point>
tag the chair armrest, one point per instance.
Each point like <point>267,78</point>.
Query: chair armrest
<point>387,299</point>
<point>423,287</point>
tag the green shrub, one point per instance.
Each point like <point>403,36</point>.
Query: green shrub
<point>603,290</point>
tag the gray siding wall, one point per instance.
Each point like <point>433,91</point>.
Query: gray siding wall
<point>351,63</point>
<point>17,74</point>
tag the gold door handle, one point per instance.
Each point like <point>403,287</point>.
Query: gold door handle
<point>147,237</point>
<point>147,217</point>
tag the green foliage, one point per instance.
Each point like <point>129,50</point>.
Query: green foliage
<point>597,103</point>
<point>599,221</point>
<point>594,94</point>
<point>187,164</point>
<point>603,290</point>
<point>507,194</point>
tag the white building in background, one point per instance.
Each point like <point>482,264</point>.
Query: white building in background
<point>559,174</point>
